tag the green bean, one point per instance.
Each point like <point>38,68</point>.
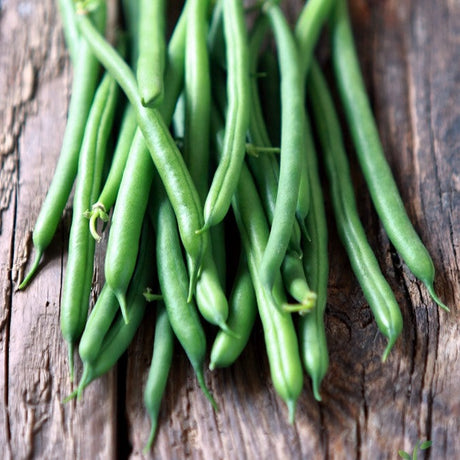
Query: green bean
<point>69,26</point>
<point>165,154</point>
<point>242,315</point>
<point>119,335</point>
<point>279,332</point>
<point>292,143</point>
<point>83,88</point>
<point>128,213</point>
<point>226,175</point>
<point>197,91</point>
<point>270,88</point>
<point>79,268</point>
<point>172,276</point>
<point>163,345</point>
<point>210,298</point>
<point>312,334</point>
<point>97,325</point>
<point>376,170</point>
<point>265,168</point>
<point>99,210</point>
<point>151,61</point>
<point>311,328</point>
<point>363,261</point>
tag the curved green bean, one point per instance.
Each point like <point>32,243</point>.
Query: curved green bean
<point>376,170</point>
<point>69,26</point>
<point>79,268</point>
<point>363,261</point>
<point>128,214</point>
<point>106,199</point>
<point>97,325</point>
<point>83,88</point>
<point>242,315</point>
<point>226,175</point>
<point>311,328</point>
<point>210,297</point>
<point>292,143</point>
<point>163,345</point>
<point>151,60</point>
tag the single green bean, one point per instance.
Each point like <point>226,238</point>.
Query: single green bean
<point>106,199</point>
<point>242,315</point>
<point>292,143</point>
<point>151,61</point>
<point>79,268</point>
<point>163,345</point>
<point>363,261</point>
<point>226,175</point>
<point>312,334</point>
<point>197,92</point>
<point>97,325</point>
<point>376,170</point>
<point>311,328</point>
<point>83,87</point>
<point>265,167</point>
<point>128,214</point>
<point>69,26</point>
<point>210,297</point>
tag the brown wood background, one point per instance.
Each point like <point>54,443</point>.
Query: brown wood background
<point>410,54</point>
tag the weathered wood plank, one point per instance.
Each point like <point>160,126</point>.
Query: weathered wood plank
<point>35,370</point>
<point>409,51</point>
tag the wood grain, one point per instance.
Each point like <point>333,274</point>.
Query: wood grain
<point>409,53</point>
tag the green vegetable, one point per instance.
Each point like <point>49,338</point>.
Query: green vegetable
<point>377,173</point>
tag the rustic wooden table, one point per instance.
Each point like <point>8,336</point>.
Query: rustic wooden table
<point>410,54</point>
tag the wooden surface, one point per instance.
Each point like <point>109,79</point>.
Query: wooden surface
<point>410,53</point>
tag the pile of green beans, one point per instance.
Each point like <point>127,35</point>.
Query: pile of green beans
<point>198,154</point>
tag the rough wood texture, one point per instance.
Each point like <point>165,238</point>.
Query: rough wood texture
<point>409,53</point>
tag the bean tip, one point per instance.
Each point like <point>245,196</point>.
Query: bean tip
<point>123,306</point>
<point>153,430</point>
<point>391,342</point>
<point>32,271</point>
<point>435,297</point>
<point>224,327</point>
<point>315,381</point>
<point>203,229</point>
